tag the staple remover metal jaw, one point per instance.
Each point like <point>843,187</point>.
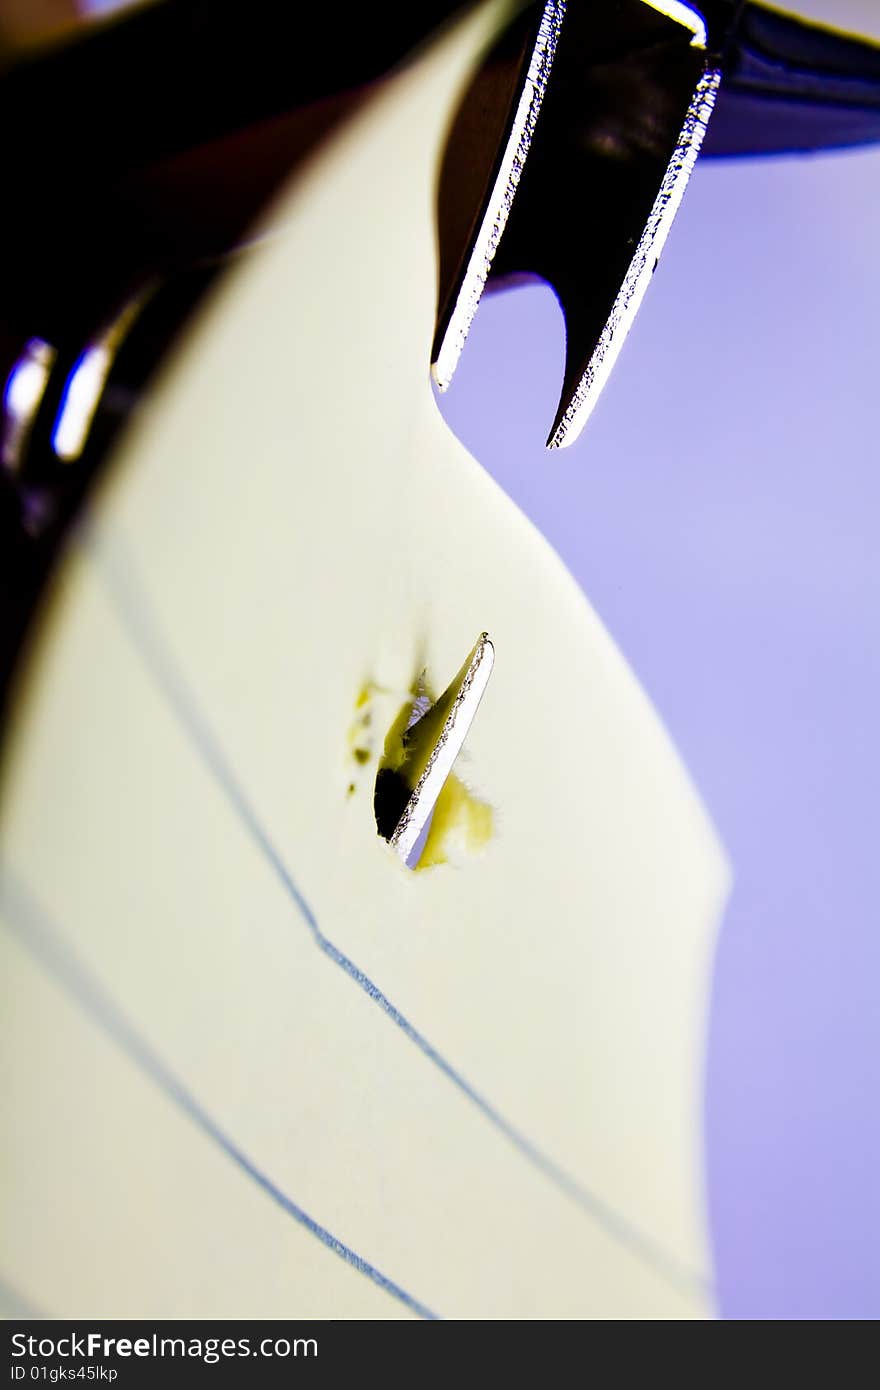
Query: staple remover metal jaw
<point>566,160</point>
<point>570,153</point>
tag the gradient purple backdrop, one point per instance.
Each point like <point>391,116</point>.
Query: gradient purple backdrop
<point>721,512</point>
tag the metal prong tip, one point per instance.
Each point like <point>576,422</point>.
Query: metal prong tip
<point>466,692</point>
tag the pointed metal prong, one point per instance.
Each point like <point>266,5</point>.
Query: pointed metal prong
<point>583,194</point>
<point>583,384</point>
<point>622,122</point>
<point>436,740</point>
<point>485,157</point>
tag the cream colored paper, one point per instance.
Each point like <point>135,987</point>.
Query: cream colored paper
<point>483,1079</point>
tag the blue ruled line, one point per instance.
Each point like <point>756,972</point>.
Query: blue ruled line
<point>14,1307</point>
<point>32,929</point>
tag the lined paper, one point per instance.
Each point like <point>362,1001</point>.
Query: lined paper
<point>256,1066</point>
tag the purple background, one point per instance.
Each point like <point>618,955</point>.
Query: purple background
<point>721,512</point>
